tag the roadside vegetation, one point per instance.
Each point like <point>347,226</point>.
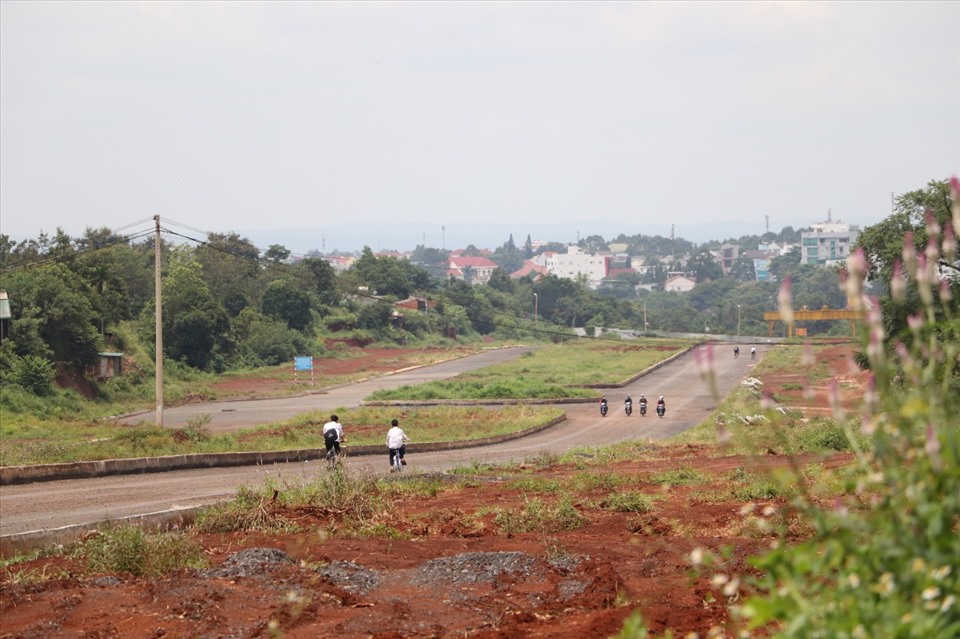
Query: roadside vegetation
<point>866,548</point>
<point>571,369</point>
<point>45,444</point>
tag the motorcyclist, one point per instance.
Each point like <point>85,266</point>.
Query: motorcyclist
<point>603,405</point>
<point>661,406</point>
<point>736,352</point>
<point>643,405</point>
<point>628,405</point>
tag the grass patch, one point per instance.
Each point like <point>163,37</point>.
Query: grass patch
<point>130,550</point>
<point>628,502</point>
<point>571,369</point>
<point>535,515</point>
<point>683,476</point>
<point>72,442</point>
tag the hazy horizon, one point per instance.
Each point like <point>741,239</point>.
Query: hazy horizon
<point>263,117</point>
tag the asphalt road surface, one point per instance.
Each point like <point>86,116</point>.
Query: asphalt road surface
<point>51,505</point>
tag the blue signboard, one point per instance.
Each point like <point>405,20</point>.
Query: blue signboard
<point>303,363</point>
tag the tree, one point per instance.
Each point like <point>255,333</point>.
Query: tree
<point>284,301</point>
<point>508,256</point>
<point>324,279</point>
<point>704,267</point>
<point>743,270</point>
<point>501,281</point>
<point>193,321</point>
<point>276,253</point>
<point>898,249</point>
<point>52,316</point>
<point>230,265</point>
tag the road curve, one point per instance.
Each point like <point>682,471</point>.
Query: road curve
<point>50,505</point>
<point>244,413</point>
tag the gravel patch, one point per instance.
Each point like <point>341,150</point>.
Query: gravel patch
<point>475,567</point>
<point>249,563</point>
<point>350,576</point>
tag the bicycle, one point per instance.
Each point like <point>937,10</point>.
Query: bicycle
<point>334,458</point>
<point>396,461</point>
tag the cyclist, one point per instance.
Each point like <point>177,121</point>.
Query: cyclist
<point>753,352</point>
<point>332,436</point>
<point>396,442</point>
<point>736,352</point>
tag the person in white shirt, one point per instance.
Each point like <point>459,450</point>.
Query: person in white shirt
<point>396,442</point>
<point>333,435</point>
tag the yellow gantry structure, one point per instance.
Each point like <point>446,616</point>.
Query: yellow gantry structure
<point>806,314</point>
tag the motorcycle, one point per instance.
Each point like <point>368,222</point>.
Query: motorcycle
<point>643,409</point>
<point>603,409</point>
<point>661,409</point>
<point>628,409</point>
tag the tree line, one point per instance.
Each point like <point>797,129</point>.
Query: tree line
<point>229,305</point>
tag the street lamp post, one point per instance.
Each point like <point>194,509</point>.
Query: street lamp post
<point>536,300</point>
<point>738,322</point>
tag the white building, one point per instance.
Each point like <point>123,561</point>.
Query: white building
<point>575,263</point>
<point>828,244</point>
<point>679,284</point>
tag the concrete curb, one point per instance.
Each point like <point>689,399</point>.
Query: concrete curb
<point>22,543</point>
<point>12,475</point>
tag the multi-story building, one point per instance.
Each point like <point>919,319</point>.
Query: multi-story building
<point>575,263</point>
<point>828,244</point>
<point>727,256</point>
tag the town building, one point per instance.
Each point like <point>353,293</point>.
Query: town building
<point>472,270</point>
<point>576,263</point>
<point>828,243</point>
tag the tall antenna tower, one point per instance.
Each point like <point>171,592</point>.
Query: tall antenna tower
<point>673,244</point>
<point>768,222</point>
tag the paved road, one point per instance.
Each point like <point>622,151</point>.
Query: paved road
<point>234,415</point>
<point>49,505</point>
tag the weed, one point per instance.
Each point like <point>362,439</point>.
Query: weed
<point>131,550</point>
<point>630,502</point>
<point>683,476</point>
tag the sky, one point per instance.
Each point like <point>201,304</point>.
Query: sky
<point>333,125</point>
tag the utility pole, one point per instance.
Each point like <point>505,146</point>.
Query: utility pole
<point>738,322</point>
<point>159,322</point>
<point>536,302</point>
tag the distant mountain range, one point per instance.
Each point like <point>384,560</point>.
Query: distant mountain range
<point>406,236</point>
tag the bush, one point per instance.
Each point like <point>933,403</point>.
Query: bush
<point>882,559</point>
<point>34,374</point>
<point>129,549</point>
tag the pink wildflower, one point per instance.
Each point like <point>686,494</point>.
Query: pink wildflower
<point>909,254</point>
<point>785,301</point>
<point>949,244</point>
<point>898,286</point>
<point>932,447</point>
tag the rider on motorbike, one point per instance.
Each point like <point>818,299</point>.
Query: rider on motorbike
<point>643,405</point>
<point>603,405</point>
<point>628,405</point>
<point>661,406</point>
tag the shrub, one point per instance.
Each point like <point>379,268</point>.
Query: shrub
<point>882,560</point>
<point>129,549</point>
<point>34,374</point>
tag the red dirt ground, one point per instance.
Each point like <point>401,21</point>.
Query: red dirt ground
<point>456,572</point>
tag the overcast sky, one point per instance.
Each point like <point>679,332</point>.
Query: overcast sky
<point>270,115</point>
